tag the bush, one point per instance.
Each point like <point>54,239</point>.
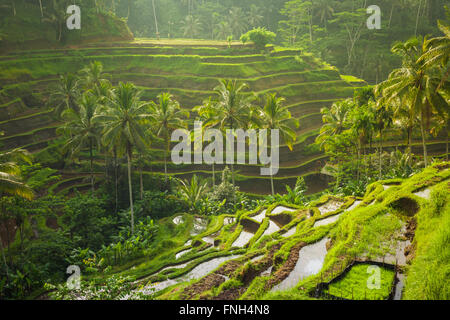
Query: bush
<point>86,219</point>
<point>260,36</point>
<point>157,205</point>
<point>244,38</point>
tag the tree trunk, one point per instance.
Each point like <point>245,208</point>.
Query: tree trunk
<point>358,160</point>
<point>156,21</point>
<point>91,167</point>
<point>448,126</point>
<point>116,180</point>
<point>381,151</point>
<point>424,143</point>
<point>14,7</point>
<point>409,145</point>
<point>60,32</point>
<point>213,174</point>
<point>4,258</point>
<point>417,18</point>
<point>271,184</point>
<point>165,159</point>
<point>141,183</point>
<point>232,173</point>
<point>370,156</point>
<point>390,16</point>
<point>130,188</point>
<point>40,5</point>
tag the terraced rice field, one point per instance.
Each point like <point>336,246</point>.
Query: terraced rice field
<point>188,71</point>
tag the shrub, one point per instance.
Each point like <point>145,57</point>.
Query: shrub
<point>157,205</point>
<point>244,38</point>
<point>86,218</point>
<point>260,36</point>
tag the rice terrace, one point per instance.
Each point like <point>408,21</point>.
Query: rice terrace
<point>224,150</point>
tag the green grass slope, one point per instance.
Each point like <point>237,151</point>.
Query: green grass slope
<point>29,29</point>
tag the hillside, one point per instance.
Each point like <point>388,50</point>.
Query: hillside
<point>24,26</point>
<point>284,251</point>
<point>189,70</point>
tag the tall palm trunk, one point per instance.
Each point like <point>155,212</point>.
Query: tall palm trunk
<point>40,5</point>
<point>380,152</point>
<point>141,181</point>
<point>166,151</point>
<point>446,134</point>
<point>232,174</point>
<point>410,144</point>
<point>232,163</point>
<point>424,143</point>
<point>271,184</point>
<point>116,180</point>
<point>156,20</point>
<point>4,258</point>
<point>417,18</point>
<point>358,160</point>
<point>214,174</point>
<point>91,167</point>
<point>130,188</point>
<point>271,172</point>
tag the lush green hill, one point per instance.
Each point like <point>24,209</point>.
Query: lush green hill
<point>23,26</point>
<point>189,70</point>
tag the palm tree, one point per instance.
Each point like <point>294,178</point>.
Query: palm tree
<point>156,20</point>
<point>233,108</point>
<point>40,6</point>
<point>362,125</point>
<point>237,21</point>
<point>208,115</point>
<point>276,117</point>
<point>255,16</point>
<point>334,122</point>
<point>10,181</point>
<point>191,26</point>
<point>65,94</point>
<point>123,131</point>
<point>57,16</point>
<point>92,76</point>
<point>223,30</point>
<point>324,10</point>
<point>383,120</point>
<point>414,84</point>
<point>167,116</point>
<point>82,131</point>
<point>437,52</point>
